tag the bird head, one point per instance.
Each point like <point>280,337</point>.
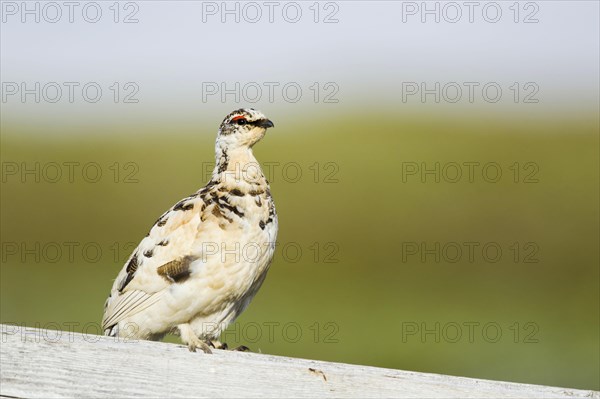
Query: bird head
<point>243,128</point>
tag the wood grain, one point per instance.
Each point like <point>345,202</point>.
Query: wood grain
<point>58,364</point>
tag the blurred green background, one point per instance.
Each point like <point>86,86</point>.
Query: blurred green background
<point>353,294</point>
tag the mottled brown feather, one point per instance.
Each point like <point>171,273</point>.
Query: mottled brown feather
<point>175,271</point>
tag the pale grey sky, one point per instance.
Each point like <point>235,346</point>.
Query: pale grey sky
<point>179,53</point>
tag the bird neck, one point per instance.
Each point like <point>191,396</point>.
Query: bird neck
<point>237,164</point>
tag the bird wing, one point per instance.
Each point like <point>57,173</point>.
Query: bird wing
<point>162,258</point>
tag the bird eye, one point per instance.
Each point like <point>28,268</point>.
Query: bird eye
<point>240,120</point>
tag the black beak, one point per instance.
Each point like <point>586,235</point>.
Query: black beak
<point>264,123</point>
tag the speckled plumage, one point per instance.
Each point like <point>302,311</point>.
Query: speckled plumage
<point>206,257</point>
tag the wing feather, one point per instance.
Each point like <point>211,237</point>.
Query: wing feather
<point>142,282</point>
<point>164,257</point>
<point>126,305</point>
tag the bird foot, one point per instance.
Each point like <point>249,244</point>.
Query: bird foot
<point>218,345</point>
<point>198,344</point>
<point>193,342</point>
<point>223,346</point>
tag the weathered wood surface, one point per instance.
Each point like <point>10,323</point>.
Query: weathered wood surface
<point>53,364</point>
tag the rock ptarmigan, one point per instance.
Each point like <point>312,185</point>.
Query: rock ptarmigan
<point>205,258</point>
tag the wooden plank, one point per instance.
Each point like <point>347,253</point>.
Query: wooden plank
<point>57,364</point>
